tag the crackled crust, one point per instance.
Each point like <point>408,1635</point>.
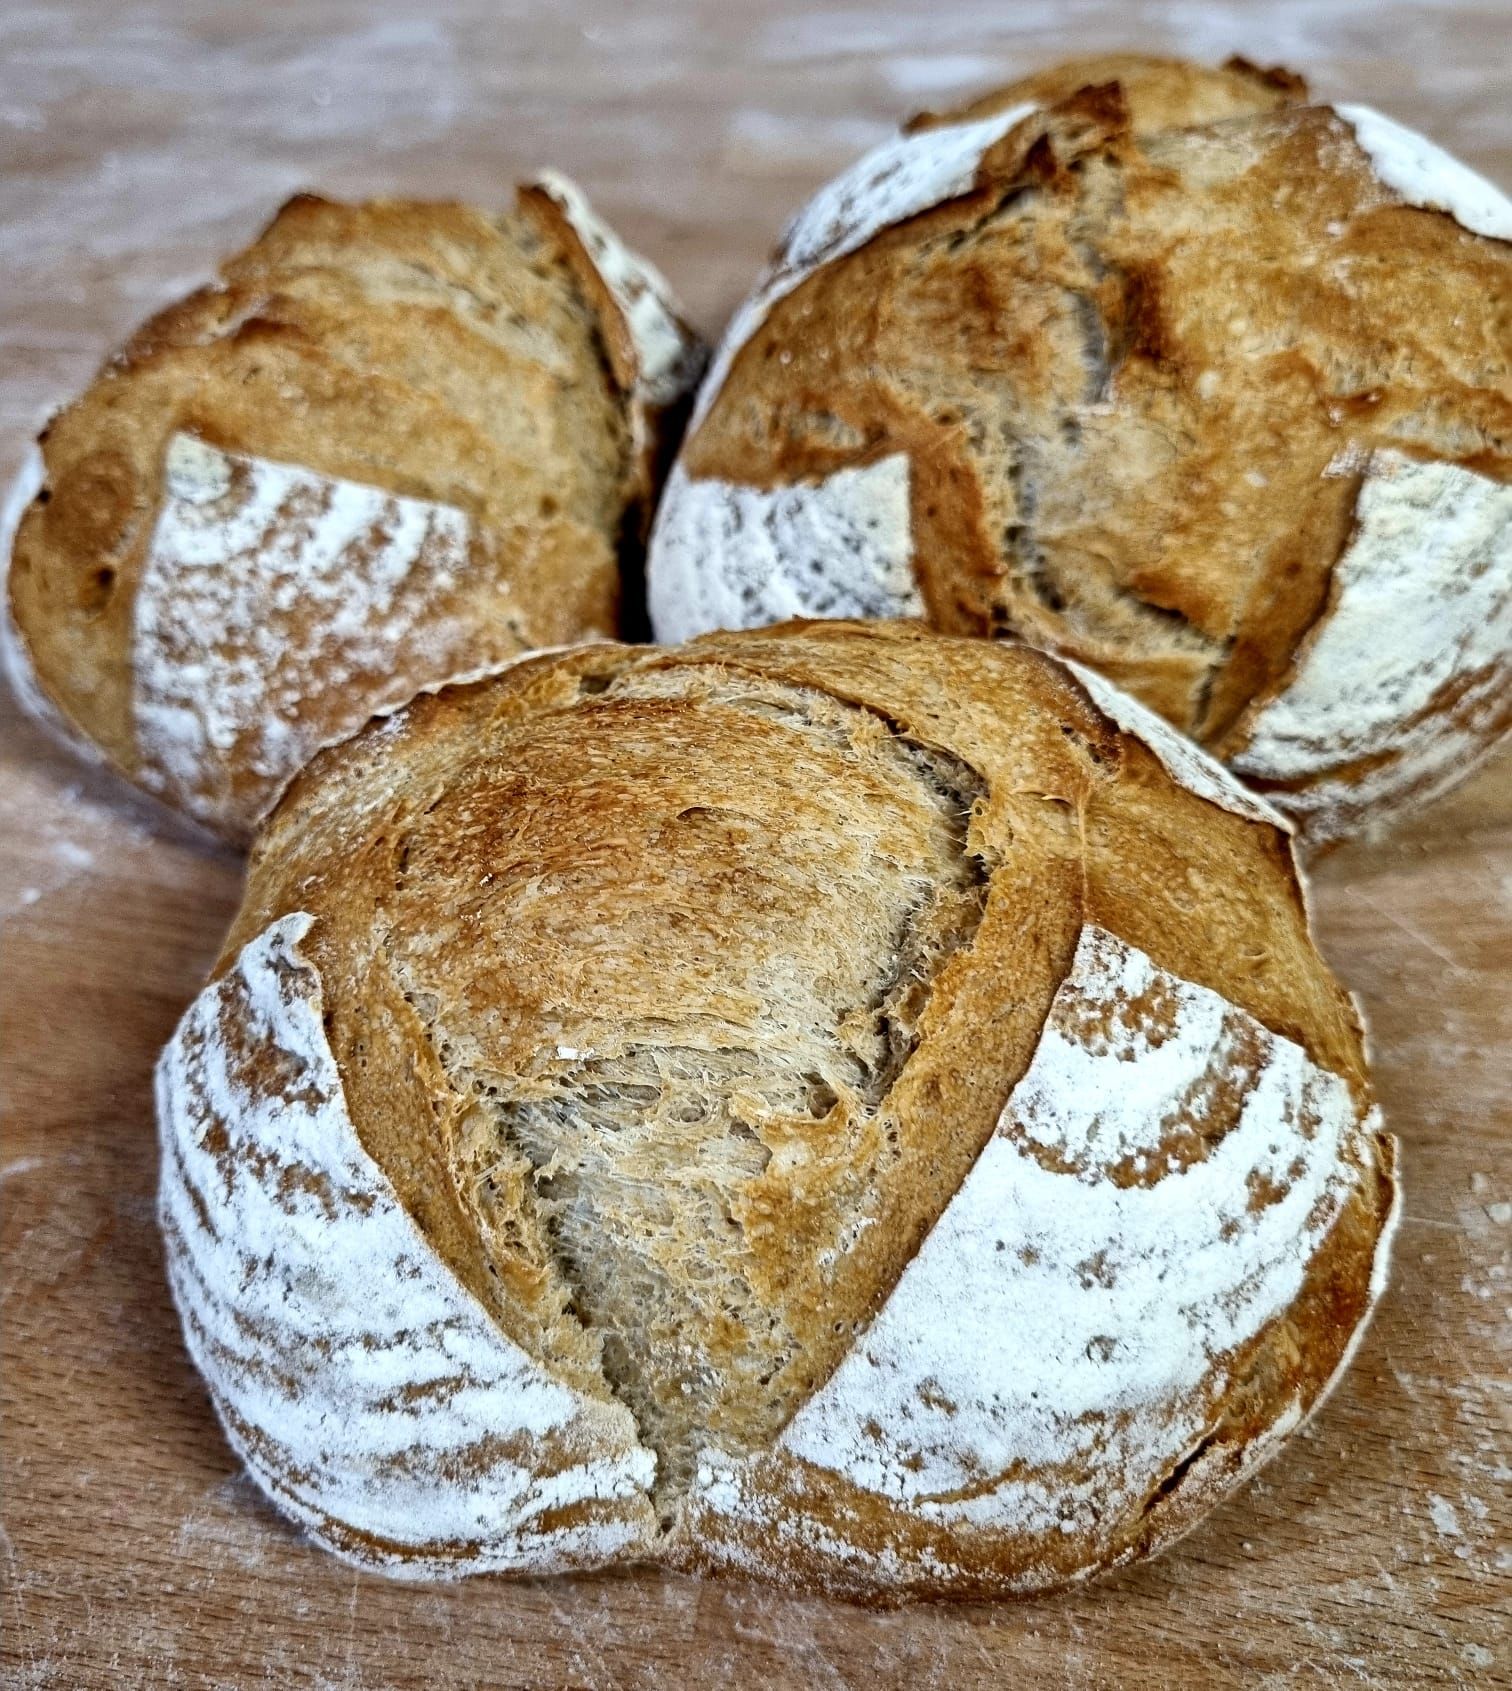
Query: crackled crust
<point>394,442</point>
<point>827,934</point>
<point>937,157</point>
<point>1121,442</point>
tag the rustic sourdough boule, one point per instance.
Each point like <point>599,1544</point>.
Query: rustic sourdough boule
<point>840,1103</point>
<point>1161,369</point>
<point>393,442</point>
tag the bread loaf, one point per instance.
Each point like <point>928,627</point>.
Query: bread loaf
<point>842,1104</point>
<point>1158,368</point>
<point>393,442</point>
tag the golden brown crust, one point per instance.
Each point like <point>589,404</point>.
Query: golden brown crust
<point>678,992</point>
<point>1195,497</point>
<point>1137,371</point>
<point>1158,93</point>
<point>417,352</point>
<point>872,1553</point>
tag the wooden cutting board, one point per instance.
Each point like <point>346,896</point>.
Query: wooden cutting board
<point>138,142</point>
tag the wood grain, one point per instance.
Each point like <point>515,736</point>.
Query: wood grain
<point>139,140</point>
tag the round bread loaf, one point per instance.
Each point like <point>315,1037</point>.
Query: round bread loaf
<point>394,442</point>
<point>1205,389</point>
<point>842,1103</point>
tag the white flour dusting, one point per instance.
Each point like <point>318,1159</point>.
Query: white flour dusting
<point>1190,766</point>
<point>895,181</point>
<point>364,1388</point>
<point>1425,175</point>
<point>15,659</point>
<point>666,354</point>
<point>266,585</point>
<point>1074,1308</point>
<point>1445,1520</point>
<point>725,556</point>
<point>1421,602</point>
<point>1054,1317</point>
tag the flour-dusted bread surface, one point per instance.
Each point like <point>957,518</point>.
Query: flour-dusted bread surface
<point>407,1429</point>
<point>1158,368</point>
<point>394,442</point>
<point>859,1107</point>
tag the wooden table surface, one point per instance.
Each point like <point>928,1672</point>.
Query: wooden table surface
<point>138,140</point>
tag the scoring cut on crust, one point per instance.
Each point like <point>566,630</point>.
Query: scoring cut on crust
<point>16,663</point>
<point>1425,175</point>
<point>895,181</point>
<point>1118,448</point>
<point>1160,1182</point>
<point>1406,681</point>
<point>393,442</point>
<point>1104,1042</point>
<point>667,353</point>
<point>368,1392</point>
<point>1186,763</point>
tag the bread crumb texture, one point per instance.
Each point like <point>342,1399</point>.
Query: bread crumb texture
<point>392,442</point>
<point>838,1103</point>
<point>1160,368</point>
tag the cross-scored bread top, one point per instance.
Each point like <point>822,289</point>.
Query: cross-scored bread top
<point>1151,365</point>
<point>679,997</point>
<point>394,442</point>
